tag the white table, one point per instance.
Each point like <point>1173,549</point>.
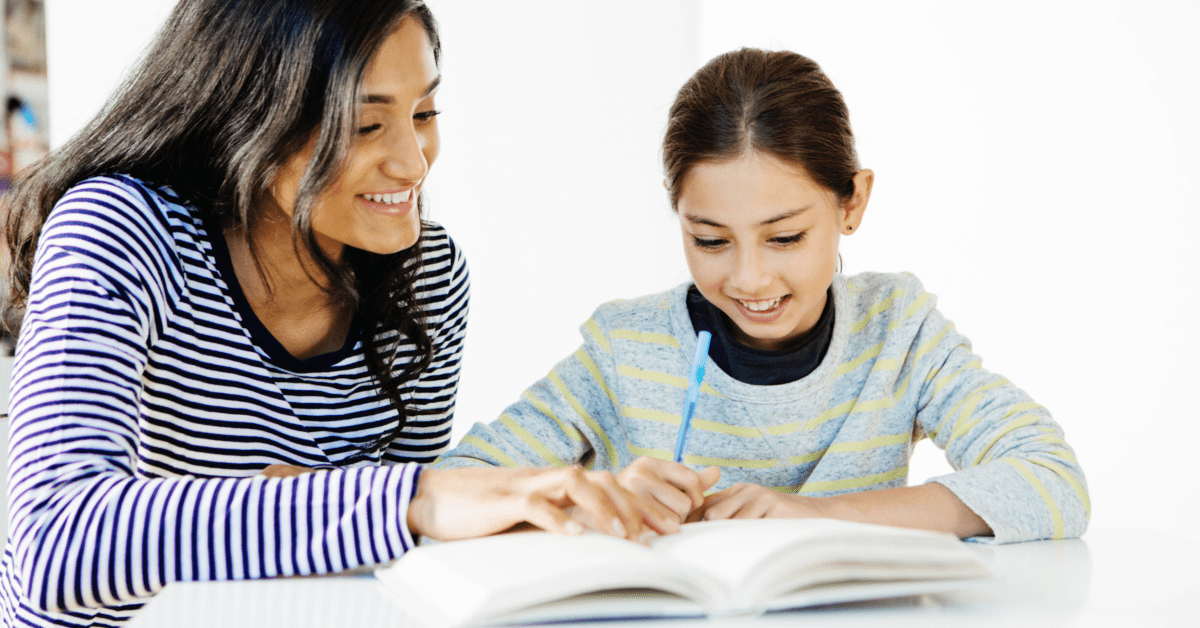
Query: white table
<point>1108,578</point>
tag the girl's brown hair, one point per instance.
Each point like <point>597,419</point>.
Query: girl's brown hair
<point>778,103</point>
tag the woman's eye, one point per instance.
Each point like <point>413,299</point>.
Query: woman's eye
<point>788,240</point>
<point>707,243</point>
<point>369,129</point>
<point>425,116</point>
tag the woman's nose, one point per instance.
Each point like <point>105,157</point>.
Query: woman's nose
<point>405,157</point>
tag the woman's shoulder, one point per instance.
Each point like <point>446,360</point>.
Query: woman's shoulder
<point>121,201</point>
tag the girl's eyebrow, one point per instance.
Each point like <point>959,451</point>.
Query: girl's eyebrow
<point>694,219</point>
<point>384,99</point>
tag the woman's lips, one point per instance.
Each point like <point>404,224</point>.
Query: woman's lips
<point>390,203</point>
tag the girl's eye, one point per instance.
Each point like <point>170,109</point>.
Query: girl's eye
<point>709,244</point>
<point>425,116</point>
<point>788,240</point>
<point>369,129</point>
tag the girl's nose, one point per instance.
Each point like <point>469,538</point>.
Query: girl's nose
<point>751,273</point>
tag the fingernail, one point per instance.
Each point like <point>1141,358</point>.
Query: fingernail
<point>618,528</point>
<point>574,528</point>
<point>647,536</point>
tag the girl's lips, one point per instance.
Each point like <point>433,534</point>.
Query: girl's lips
<point>769,316</point>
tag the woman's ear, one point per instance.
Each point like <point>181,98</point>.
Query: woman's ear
<point>854,207</point>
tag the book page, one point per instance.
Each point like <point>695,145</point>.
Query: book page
<point>466,581</point>
<point>758,559</point>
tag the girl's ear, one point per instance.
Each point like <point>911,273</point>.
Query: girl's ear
<point>853,209</point>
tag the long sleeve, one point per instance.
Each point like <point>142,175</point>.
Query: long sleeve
<point>1014,467</point>
<point>565,418</point>
<point>91,522</point>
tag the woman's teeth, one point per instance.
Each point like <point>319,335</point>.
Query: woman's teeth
<point>761,306</point>
<point>390,199</point>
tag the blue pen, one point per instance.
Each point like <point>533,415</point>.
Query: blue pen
<point>693,393</point>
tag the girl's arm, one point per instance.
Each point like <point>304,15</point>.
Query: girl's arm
<point>1016,480</point>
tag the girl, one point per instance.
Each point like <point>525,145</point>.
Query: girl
<point>820,384</point>
<point>227,273</point>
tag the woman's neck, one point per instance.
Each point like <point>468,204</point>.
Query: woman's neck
<point>287,289</point>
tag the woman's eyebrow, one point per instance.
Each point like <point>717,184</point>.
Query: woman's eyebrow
<point>692,218</point>
<point>384,99</point>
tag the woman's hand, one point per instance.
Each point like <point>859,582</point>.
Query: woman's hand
<point>465,503</point>
<point>678,489</point>
<point>284,470</point>
<point>751,501</point>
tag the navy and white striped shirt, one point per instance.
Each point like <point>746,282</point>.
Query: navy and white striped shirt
<point>146,397</point>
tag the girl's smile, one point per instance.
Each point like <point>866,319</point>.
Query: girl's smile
<point>761,240</point>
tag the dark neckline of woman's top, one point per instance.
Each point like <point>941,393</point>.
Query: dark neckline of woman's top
<point>259,334</point>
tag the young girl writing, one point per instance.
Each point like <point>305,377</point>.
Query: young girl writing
<point>227,281</point>
<point>819,384</point>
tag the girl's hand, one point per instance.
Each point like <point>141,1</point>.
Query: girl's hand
<point>670,486</point>
<point>751,501</point>
<point>466,503</point>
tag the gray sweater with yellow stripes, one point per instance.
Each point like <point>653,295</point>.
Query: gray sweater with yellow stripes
<point>896,371</point>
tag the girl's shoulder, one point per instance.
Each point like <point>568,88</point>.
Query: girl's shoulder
<point>868,294</point>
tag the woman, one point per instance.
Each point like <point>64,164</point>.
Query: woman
<point>820,384</point>
<point>227,281</point>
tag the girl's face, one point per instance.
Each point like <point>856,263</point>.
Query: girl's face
<point>373,204</point>
<point>761,240</point>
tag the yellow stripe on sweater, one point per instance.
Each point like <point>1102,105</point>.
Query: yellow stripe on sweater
<point>661,454</point>
<point>1070,479</point>
<point>698,424</point>
<point>661,378</point>
<point>642,336</point>
<point>731,462</point>
<point>490,450</point>
<point>542,407</point>
<point>976,392</point>
<point>590,365</point>
<point>587,418</point>
<point>1017,424</point>
<point>851,483</point>
<point>598,335</point>
<point>1037,485</point>
<point>859,361</point>
<point>531,440</point>
<point>876,309</point>
<point>871,443</point>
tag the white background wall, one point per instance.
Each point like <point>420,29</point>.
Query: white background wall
<point>1034,165</point>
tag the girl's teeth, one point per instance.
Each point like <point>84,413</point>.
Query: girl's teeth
<point>761,306</point>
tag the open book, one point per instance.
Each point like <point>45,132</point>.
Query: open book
<point>710,568</point>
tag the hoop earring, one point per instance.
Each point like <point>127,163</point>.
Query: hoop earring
<point>839,265</point>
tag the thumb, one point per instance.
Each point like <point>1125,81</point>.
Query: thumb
<point>709,477</point>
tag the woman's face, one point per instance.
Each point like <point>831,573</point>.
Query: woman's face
<point>373,204</point>
<point>761,240</point>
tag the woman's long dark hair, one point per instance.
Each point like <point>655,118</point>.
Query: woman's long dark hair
<point>227,92</point>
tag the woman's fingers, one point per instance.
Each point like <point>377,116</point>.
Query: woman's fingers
<point>284,471</point>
